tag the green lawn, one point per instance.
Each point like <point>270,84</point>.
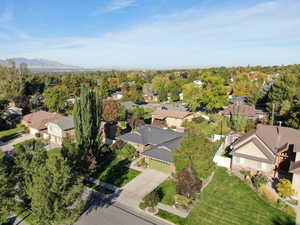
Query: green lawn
<point>54,152</point>
<point>229,201</point>
<point>7,135</point>
<point>171,217</point>
<point>115,172</point>
<point>167,192</point>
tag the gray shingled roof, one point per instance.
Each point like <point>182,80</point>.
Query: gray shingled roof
<point>164,151</point>
<point>65,123</point>
<point>163,141</point>
<point>150,135</point>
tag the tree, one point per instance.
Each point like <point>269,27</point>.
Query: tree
<point>104,90</point>
<point>284,188</point>
<point>7,184</point>
<point>61,202</point>
<point>192,95</point>
<point>196,152</point>
<point>29,156</point>
<point>110,112</point>
<point>56,97</point>
<point>188,184</point>
<point>87,127</point>
<point>151,200</point>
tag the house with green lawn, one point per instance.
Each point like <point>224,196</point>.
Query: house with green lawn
<point>156,145</point>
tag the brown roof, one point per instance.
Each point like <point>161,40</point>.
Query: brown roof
<point>241,109</point>
<point>39,119</point>
<point>275,137</point>
<point>164,113</point>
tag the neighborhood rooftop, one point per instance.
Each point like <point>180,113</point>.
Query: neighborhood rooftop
<point>163,113</point>
<point>39,119</point>
<point>65,123</point>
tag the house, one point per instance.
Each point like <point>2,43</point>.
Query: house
<point>117,95</point>
<point>155,144</point>
<point>171,118</point>
<point>273,150</point>
<point>129,105</point>
<point>199,83</point>
<point>36,122</point>
<point>251,112</point>
<point>295,170</point>
<point>61,128</point>
<point>148,93</point>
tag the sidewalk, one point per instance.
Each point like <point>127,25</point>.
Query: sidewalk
<point>173,210</point>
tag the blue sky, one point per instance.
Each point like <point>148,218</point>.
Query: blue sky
<point>152,33</point>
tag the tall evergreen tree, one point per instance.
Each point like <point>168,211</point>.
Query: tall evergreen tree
<point>104,90</point>
<point>87,127</point>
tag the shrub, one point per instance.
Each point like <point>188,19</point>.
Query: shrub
<point>258,180</point>
<point>38,135</point>
<point>284,188</point>
<point>151,200</point>
<point>119,144</point>
<point>128,152</point>
<point>142,163</point>
<point>268,194</point>
<point>182,201</point>
<point>188,183</point>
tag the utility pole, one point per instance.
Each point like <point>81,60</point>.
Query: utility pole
<point>272,119</point>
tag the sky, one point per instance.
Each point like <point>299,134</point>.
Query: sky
<point>152,34</point>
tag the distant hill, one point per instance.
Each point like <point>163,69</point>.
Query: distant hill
<point>38,63</point>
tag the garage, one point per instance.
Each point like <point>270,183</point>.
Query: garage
<point>159,165</point>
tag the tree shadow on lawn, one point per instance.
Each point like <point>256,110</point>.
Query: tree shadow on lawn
<point>106,160</point>
<point>9,137</point>
<point>116,175</point>
<point>279,220</point>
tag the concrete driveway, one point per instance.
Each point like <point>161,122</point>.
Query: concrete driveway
<point>133,193</point>
<point>9,146</point>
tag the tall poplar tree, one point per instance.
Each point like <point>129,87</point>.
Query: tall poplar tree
<point>87,127</point>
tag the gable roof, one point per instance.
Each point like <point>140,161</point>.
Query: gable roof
<point>164,113</point>
<point>241,109</point>
<point>39,119</point>
<point>274,137</point>
<point>65,123</point>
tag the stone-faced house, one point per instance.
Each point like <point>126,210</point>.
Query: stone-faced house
<point>171,118</point>
<point>273,150</point>
<point>60,129</point>
<point>36,122</point>
<point>155,144</point>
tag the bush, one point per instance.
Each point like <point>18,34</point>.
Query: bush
<point>182,201</point>
<point>188,183</point>
<point>151,200</point>
<point>284,188</point>
<point>142,163</point>
<point>258,180</point>
<point>38,135</point>
<point>119,144</point>
<point>128,152</point>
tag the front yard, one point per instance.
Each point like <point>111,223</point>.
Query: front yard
<point>115,172</point>
<point>7,135</point>
<point>228,200</point>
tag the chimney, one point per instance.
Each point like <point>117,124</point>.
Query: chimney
<point>279,125</point>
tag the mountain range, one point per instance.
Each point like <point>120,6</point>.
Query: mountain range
<point>39,63</point>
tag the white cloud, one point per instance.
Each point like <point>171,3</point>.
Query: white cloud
<point>114,5</point>
<point>265,33</point>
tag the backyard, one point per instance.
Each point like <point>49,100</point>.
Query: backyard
<point>228,200</point>
<point>7,135</point>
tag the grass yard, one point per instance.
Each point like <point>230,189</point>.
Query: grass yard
<point>171,217</point>
<point>7,135</point>
<point>54,152</point>
<point>227,200</point>
<point>115,172</point>
<point>167,192</point>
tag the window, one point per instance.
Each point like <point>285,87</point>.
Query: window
<point>240,160</point>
